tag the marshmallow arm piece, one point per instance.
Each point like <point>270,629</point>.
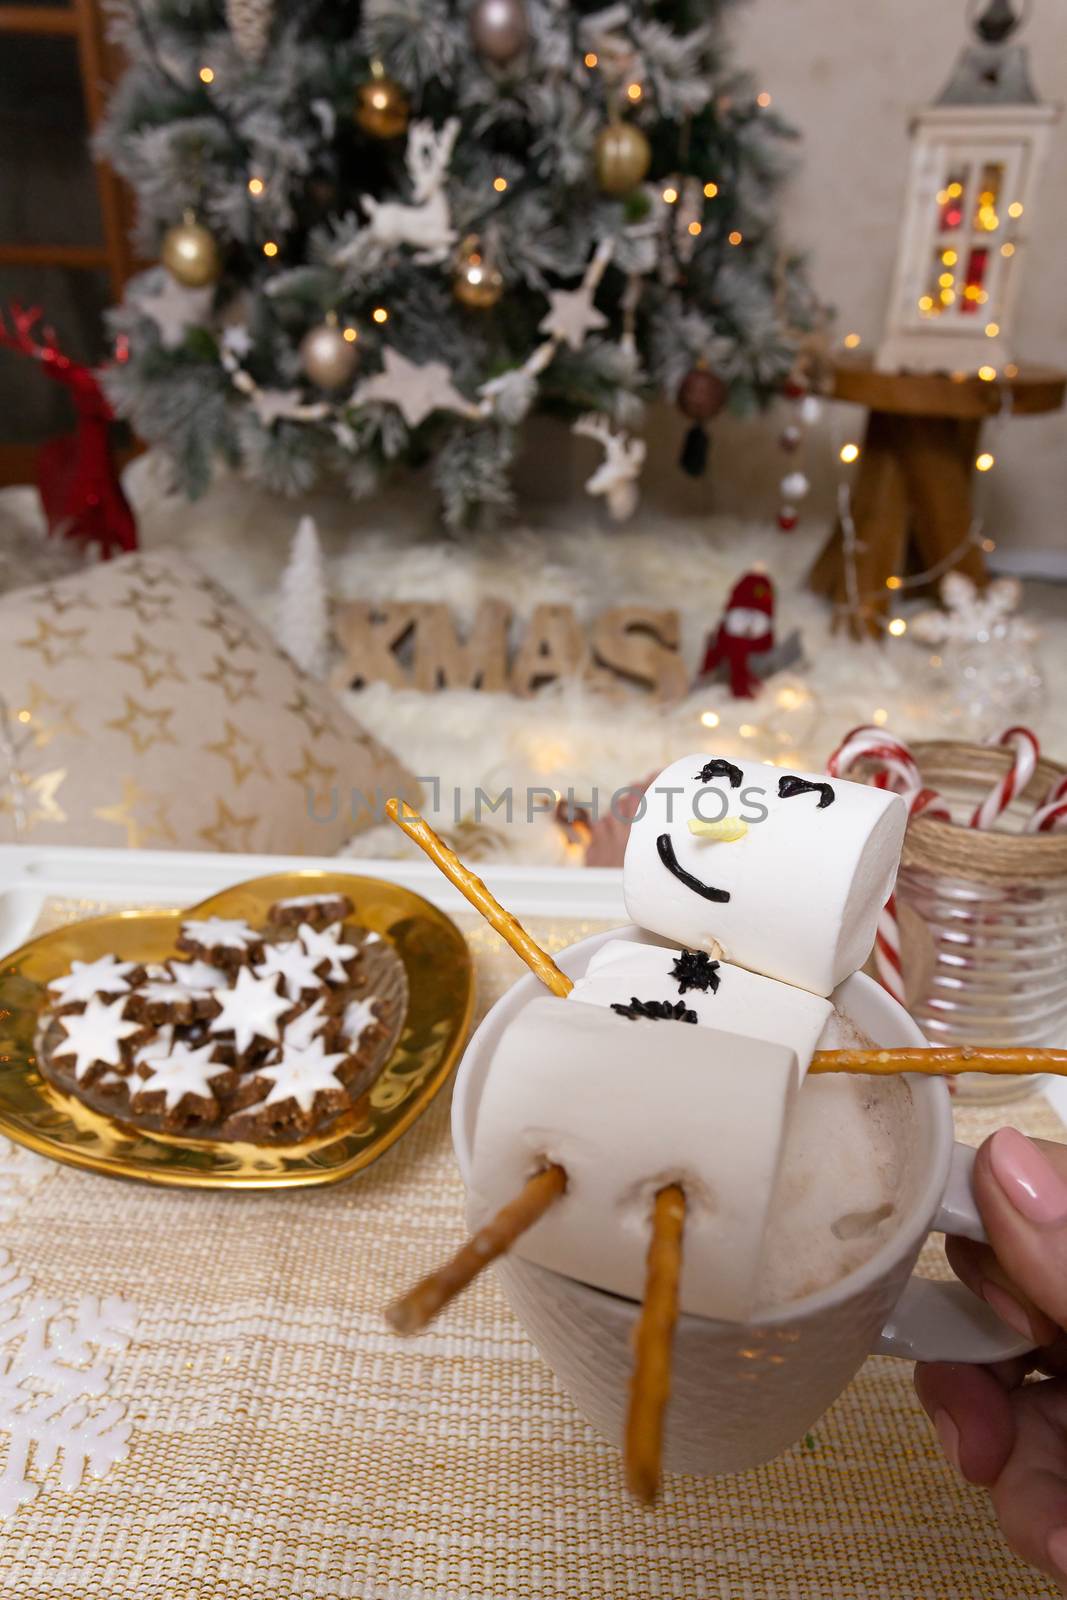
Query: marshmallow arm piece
<point>625,1108</point>
<point>796,897</point>
<point>734,1000</point>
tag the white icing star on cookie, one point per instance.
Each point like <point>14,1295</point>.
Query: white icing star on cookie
<point>199,976</point>
<point>250,1009</point>
<point>358,1016</point>
<point>221,933</point>
<point>155,1048</point>
<point>183,1071</point>
<point>292,963</point>
<point>300,1074</point>
<point>327,946</point>
<point>95,1034</point>
<point>88,978</point>
<point>305,1027</point>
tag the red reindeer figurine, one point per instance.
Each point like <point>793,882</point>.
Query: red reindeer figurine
<point>77,477</point>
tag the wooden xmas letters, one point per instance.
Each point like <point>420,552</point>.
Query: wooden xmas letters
<point>412,644</point>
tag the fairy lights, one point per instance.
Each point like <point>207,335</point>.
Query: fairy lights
<point>350,334</point>
<point>852,341</point>
<point>763,100</point>
<point>634,91</point>
<point>735,237</point>
<point>256,186</point>
<point>710,191</point>
<point>992,329</point>
<point>670,195</point>
<point>270,248</point>
<point>1015,209</point>
<point>987,374</point>
<point>500,184</point>
<point>695,229</point>
<point>207,75</point>
<point>591,59</point>
<point>380,315</point>
<point>897,627</point>
<point>710,719</point>
<point>985,461</point>
<point>849,452</point>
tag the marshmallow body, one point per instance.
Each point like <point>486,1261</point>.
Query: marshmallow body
<point>627,1107</point>
<point>795,897</point>
<point>732,1000</point>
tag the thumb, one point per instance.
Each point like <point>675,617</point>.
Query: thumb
<point>1020,1185</point>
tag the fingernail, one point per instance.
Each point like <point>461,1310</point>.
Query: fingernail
<point>1007,1309</point>
<point>1031,1183</point>
<point>949,1435</point>
<point>1057,1550</point>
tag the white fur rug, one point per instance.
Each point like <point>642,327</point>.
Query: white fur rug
<point>570,736</point>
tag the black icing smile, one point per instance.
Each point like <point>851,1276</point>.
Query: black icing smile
<point>672,864</point>
<point>720,768</point>
<point>790,785</point>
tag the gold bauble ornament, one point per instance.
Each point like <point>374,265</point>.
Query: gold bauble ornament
<point>622,156</point>
<point>382,107</point>
<point>476,281</point>
<point>190,253</point>
<point>327,357</point>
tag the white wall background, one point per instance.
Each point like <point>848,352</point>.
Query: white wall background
<point>846,72</point>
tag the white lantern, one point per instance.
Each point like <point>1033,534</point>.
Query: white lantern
<point>975,162</point>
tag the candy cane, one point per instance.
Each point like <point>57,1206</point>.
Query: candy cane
<point>895,763</point>
<point>887,960</point>
<point>1052,810</point>
<point>1027,750</point>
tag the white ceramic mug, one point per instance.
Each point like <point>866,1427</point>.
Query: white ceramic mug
<point>743,1393</point>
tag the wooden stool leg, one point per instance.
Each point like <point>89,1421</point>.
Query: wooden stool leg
<point>937,457</point>
<point>880,515</point>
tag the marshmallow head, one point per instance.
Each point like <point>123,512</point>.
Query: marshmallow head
<point>627,1107</point>
<point>786,872</point>
<point>720,995</point>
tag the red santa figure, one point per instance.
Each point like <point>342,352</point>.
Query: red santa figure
<point>746,630</point>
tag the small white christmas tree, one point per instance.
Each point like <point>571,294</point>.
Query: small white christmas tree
<point>302,622</point>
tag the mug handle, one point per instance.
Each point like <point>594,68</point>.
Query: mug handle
<point>935,1321</point>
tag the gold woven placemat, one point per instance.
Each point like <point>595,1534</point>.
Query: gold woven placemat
<point>283,1444</point>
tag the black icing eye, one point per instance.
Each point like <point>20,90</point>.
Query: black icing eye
<point>719,768</point>
<point>791,785</point>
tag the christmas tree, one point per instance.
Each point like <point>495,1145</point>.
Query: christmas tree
<point>391,229</point>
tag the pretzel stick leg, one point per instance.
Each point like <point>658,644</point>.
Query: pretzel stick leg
<point>539,961</point>
<point>944,1061</point>
<point>650,1386</point>
<point>431,1294</point>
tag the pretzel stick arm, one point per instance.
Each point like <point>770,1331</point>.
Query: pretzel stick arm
<point>473,889</point>
<point>943,1061</point>
<point>412,1312</point>
<point>650,1386</point>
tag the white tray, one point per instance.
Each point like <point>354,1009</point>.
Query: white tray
<point>29,875</point>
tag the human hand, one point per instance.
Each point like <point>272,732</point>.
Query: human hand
<point>996,1428</point>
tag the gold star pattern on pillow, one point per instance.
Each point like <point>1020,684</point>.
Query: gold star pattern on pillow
<point>146,709</point>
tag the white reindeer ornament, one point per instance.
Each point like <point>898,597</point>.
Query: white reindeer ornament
<point>426,225</point>
<point>617,476</point>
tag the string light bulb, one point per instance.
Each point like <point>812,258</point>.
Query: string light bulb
<point>852,341</point>
<point>710,719</point>
<point>735,237</point>
<point>987,374</point>
<point>1015,209</point>
<point>270,248</point>
<point>989,545</point>
<point>591,59</point>
<point>849,452</point>
<point>500,184</point>
<point>898,627</point>
<point>695,229</point>
<point>879,716</point>
<point>763,99</point>
<point>748,730</point>
<point>1007,249</point>
<point>670,196</point>
<point>380,315</point>
<point>710,191</point>
<point>992,329</point>
<point>350,334</point>
<point>893,582</point>
<point>949,257</point>
<point>985,461</point>
<point>633,91</point>
<point>207,75</point>
<point>256,185</point>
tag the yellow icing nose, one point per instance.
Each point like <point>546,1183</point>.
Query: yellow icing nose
<point>725,831</point>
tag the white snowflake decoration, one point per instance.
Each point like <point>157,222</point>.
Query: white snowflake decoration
<point>975,616</point>
<point>54,1404</point>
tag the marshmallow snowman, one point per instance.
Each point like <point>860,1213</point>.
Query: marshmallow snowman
<point>626,1106</point>
<point>783,873</point>
<point>718,994</point>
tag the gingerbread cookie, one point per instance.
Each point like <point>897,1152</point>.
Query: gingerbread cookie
<point>317,910</point>
<point>261,1035</point>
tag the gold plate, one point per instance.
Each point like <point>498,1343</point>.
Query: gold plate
<point>438,966</point>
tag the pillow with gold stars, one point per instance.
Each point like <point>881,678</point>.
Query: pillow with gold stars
<point>141,706</point>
